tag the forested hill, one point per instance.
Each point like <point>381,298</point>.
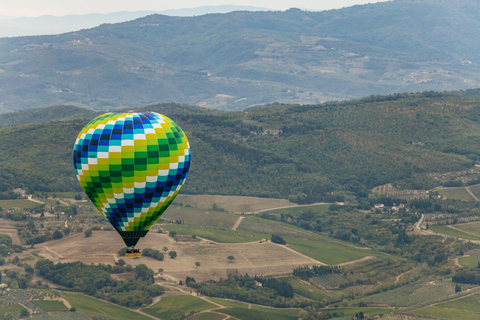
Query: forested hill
<point>235,60</point>
<point>302,152</point>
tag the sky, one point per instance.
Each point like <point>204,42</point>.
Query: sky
<point>35,8</point>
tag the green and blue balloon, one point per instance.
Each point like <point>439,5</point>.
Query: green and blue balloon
<point>132,166</point>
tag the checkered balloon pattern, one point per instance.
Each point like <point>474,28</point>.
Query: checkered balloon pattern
<point>132,166</point>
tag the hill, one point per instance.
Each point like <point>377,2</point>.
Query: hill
<point>239,59</point>
<point>303,153</point>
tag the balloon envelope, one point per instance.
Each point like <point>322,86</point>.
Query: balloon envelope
<point>132,166</point>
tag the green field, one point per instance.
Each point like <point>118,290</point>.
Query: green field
<point>471,227</point>
<point>261,313</point>
<point>467,308</point>
<point>50,305</point>
<point>350,312</point>
<point>305,289</point>
<point>295,211</point>
<point>453,233</point>
<point>240,310</point>
<point>475,189</point>
<point>101,308</point>
<point>171,306</point>
<point>216,235</point>
<point>11,309</point>
<point>459,193</point>
<point>207,316</point>
<point>201,217</point>
<point>329,252</point>
<point>18,203</point>
<point>470,261</point>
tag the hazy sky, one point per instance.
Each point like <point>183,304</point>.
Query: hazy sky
<point>32,8</point>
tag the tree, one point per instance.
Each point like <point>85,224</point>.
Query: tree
<point>165,249</point>
<point>29,269</point>
<point>57,234</point>
<point>172,254</point>
<point>231,258</point>
<point>72,309</point>
<point>121,262</point>
<point>197,264</point>
<point>24,313</point>
<point>88,233</point>
<point>458,288</point>
<point>172,233</point>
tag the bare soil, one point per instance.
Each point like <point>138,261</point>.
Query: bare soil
<point>253,258</point>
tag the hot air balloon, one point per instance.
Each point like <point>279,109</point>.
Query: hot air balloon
<point>132,166</point>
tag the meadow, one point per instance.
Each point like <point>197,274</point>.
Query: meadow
<point>171,306</point>
<point>453,232</point>
<point>467,308</point>
<point>459,193</point>
<point>50,305</point>
<point>470,261</point>
<point>471,227</point>
<point>217,235</point>
<point>101,308</point>
<point>18,203</point>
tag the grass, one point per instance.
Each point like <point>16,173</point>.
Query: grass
<point>171,306</point>
<point>50,305</point>
<point>101,308</point>
<point>328,252</point>
<point>207,316</point>
<point>350,312</point>
<point>467,308</point>
<point>471,227</point>
<point>216,235</point>
<point>18,203</point>
<point>305,289</point>
<point>201,217</point>
<point>459,193</point>
<point>262,313</point>
<point>295,211</point>
<point>11,309</point>
<point>453,233</point>
<point>470,261</point>
<point>475,189</point>
<point>229,303</point>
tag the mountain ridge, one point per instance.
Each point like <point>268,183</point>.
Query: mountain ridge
<point>241,59</point>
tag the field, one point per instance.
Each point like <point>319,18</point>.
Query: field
<point>207,316</point>
<point>201,217</point>
<point>470,261</point>
<point>101,308</point>
<point>256,257</point>
<point>232,203</point>
<point>350,312</point>
<point>14,308</point>
<point>467,308</point>
<point>329,252</point>
<point>295,211</point>
<point>305,289</point>
<point>471,227</point>
<point>413,294</point>
<point>459,193</point>
<point>18,203</point>
<point>50,305</point>
<point>171,306</point>
<point>453,232</point>
<point>9,227</point>
<point>216,235</point>
<point>475,189</point>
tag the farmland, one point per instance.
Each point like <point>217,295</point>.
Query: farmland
<point>101,308</point>
<point>471,227</point>
<point>467,308</point>
<point>217,235</point>
<point>453,232</point>
<point>171,306</point>
<point>50,305</point>
<point>459,193</point>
